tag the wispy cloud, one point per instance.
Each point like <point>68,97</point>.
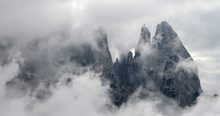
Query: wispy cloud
<point>67,22</point>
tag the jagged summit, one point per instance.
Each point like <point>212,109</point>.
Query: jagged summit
<point>145,37</point>
<point>145,34</point>
<point>165,28</point>
<point>161,68</point>
<point>101,38</point>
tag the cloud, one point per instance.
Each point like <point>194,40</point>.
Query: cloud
<point>28,19</point>
<point>87,95</point>
<point>68,21</point>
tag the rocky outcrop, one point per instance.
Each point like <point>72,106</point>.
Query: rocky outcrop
<point>163,61</point>
<point>180,75</point>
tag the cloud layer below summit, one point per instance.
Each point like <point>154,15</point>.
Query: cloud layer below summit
<point>196,22</point>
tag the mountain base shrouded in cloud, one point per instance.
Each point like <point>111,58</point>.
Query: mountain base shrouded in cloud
<point>159,64</point>
<point>59,74</point>
<point>54,61</point>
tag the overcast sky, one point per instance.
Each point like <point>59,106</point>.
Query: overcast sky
<point>197,23</point>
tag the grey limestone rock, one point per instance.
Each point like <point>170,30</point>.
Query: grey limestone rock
<point>170,67</point>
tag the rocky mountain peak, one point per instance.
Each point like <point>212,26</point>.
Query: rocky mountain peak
<point>101,38</point>
<point>161,68</point>
<point>145,38</point>
<point>164,28</point>
<point>145,34</point>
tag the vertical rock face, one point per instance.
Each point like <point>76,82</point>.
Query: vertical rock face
<point>128,82</point>
<point>103,55</point>
<point>145,38</point>
<point>166,63</point>
<point>180,75</point>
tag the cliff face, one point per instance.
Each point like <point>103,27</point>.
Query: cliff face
<point>163,61</point>
<point>180,75</point>
<point>160,64</point>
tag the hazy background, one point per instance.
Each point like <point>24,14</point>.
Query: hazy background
<point>197,23</point>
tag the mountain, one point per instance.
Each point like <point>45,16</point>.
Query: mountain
<point>42,67</point>
<point>160,65</point>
